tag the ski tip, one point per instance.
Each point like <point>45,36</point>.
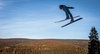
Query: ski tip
<point>62,26</point>
<point>78,16</point>
<point>55,22</point>
<point>81,17</point>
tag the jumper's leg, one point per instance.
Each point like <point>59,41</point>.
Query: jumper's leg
<point>72,19</point>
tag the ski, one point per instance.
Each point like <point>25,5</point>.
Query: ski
<point>66,19</point>
<point>71,22</point>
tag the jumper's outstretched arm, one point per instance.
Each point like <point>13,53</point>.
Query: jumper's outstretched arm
<point>70,7</point>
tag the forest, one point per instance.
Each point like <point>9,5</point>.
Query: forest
<point>45,46</point>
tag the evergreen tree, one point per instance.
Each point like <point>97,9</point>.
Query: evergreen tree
<point>93,47</point>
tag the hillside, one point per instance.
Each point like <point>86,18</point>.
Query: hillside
<point>14,41</point>
<point>51,46</point>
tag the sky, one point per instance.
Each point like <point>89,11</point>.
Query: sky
<point>34,19</point>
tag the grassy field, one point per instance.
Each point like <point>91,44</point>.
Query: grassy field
<point>43,46</point>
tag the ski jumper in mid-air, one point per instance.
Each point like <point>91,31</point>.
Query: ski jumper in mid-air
<point>68,14</point>
<point>67,11</point>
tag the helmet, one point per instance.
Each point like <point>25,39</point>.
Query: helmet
<point>60,6</point>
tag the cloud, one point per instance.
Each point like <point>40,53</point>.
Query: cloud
<point>4,3</point>
<point>35,29</point>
